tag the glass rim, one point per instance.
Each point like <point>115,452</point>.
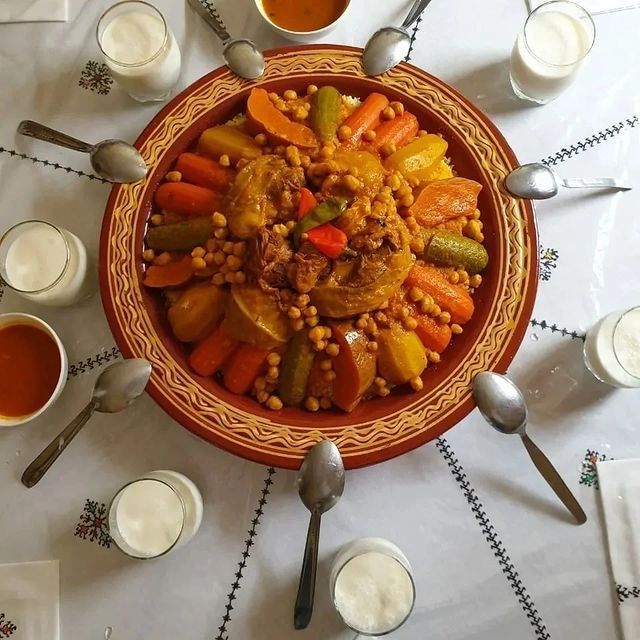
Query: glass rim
<point>132,65</point>
<point>580,8</point>
<point>3,239</point>
<point>413,592</point>
<point>173,544</point>
<point>613,340</point>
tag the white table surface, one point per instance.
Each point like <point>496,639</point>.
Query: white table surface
<point>495,555</point>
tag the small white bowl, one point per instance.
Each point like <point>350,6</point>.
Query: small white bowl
<point>24,318</point>
<point>301,36</point>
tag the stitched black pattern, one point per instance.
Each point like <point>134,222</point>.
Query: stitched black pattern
<point>590,142</point>
<point>491,537</point>
<point>7,628</point>
<point>92,363</point>
<point>544,325</point>
<point>588,471</point>
<point>2,286</point>
<point>414,33</point>
<point>248,543</point>
<point>14,154</point>
<point>624,593</point>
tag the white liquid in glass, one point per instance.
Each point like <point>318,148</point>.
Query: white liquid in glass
<point>131,41</point>
<point>612,349</point>
<point>36,258</point>
<point>547,54</point>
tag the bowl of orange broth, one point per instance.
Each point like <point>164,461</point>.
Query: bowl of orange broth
<point>33,368</point>
<point>302,20</point>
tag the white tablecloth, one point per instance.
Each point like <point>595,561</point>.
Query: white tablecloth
<point>495,554</point>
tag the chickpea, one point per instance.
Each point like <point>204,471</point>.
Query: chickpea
<point>379,382</point>
<point>279,150</point>
<point>344,133</point>
<point>473,230</point>
<point>333,349</point>
<point>351,182</point>
<point>280,104</point>
<point>291,225</point>
<point>218,279</point>
<point>475,280</point>
<point>327,151</point>
<point>329,376</point>
<point>227,247</point>
<point>219,258</point>
<point>321,345</point>
<point>274,403</point>
<point>261,139</point>
<point>240,278</point>
<point>273,96</point>
<point>211,245</point>
<point>422,133</point>
<point>397,107</point>
<point>361,323</point>
<point>383,392</point>
<point>198,264</point>
<point>372,346</point>
<point>234,262</point>
<point>327,333</point>
<point>290,94</point>
<point>407,200</point>
<point>292,155</point>
<point>433,357</point>
<point>393,181</point>
<point>444,317</point>
<point>273,372</point>
<point>435,310</point>
<point>230,277</point>
<point>311,89</point>
<point>173,176</point>
<point>163,259</point>
<point>369,135</point>
<point>454,277</point>
<point>412,181</point>
<point>260,384</point>
<point>220,234</point>
<point>305,161</point>
<point>326,365</point>
<point>198,252</point>
<point>311,404</point>
<point>148,255</point>
<point>239,248</point>
<point>312,321</point>
<point>381,318</point>
<point>388,113</point>
<point>387,149</point>
<point>219,220</point>
<point>303,300</point>
<point>297,324</point>
<point>417,245</point>
<point>157,219</point>
<point>310,311</point>
<point>294,313</point>
<point>476,215</point>
<point>316,334</point>
<point>262,396</point>
<point>224,160</point>
<point>410,323</point>
<point>208,258</point>
<point>456,329</point>
<point>325,403</point>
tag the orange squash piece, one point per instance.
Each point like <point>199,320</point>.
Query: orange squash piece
<point>263,117</point>
<point>174,274</point>
<point>443,200</point>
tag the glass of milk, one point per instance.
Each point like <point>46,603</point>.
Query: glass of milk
<point>550,50</point>
<point>372,586</point>
<point>140,50</point>
<point>155,514</point>
<point>46,264</point>
<point>612,349</point>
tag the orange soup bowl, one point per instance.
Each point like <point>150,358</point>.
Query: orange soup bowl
<point>377,429</point>
<point>38,368</point>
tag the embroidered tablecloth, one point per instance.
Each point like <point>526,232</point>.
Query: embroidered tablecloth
<point>495,554</point>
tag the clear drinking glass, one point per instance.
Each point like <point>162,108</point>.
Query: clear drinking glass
<point>372,564</point>
<point>46,264</point>
<point>155,514</point>
<point>548,53</point>
<point>612,349</point>
<point>140,50</point>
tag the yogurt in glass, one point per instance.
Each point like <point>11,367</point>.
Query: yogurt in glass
<point>140,50</point>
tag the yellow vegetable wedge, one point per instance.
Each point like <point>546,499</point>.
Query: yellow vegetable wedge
<point>419,157</point>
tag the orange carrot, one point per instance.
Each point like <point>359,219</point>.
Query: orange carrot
<point>243,367</point>
<point>366,116</point>
<point>187,199</point>
<point>443,200</point>
<point>211,353</point>
<point>174,274</point>
<point>433,335</point>
<point>450,297</point>
<point>204,172</point>
<point>397,131</point>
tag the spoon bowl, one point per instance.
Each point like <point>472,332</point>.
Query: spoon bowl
<point>534,181</point>
<point>244,58</point>
<point>500,402</point>
<point>117,161</point>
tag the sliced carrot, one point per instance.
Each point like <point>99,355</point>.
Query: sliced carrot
<point>211,353</point>
<point>433,335</point>
<point>366,116</point>
<point>443,200</point>
<point>263,117</point>
<point>449,297</point>
<point>243,367</point>
<point>187,199</point>
<point>174,274</point>
<point>307,202</point>
<point>328,240</point>
<point>204,172</point>
<point>397,131</point>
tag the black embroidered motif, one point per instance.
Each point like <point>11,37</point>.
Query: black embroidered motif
<point>591,141</point>
<point>93,523</point>
<point>588,472</point>
<point>248,543</point>
<point>98,360</point>
<point>7,627</point>
<point>491,537</point>
<point>548,262</point>
<point>2,286</point>
<point>414,34</point>
<point>96,77</point>
<point>544,325</point>
<point>14,154</point>
<point>624,593</point>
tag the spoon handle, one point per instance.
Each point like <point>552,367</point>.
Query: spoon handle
<point>36,130</point>
<point>554,480</point>
<point>307,586</point>
<point>595,183</point>
<point>34,472</point>
<point>210,16</point>
<point>414,13</point>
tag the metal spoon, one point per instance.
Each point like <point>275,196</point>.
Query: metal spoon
<point>389,45</point>
<point>503,406</point>
<point>113,160</point>
<point>536,181</point>
<point>320,484</point>
<point>115,389</point>
<point>241,55</point>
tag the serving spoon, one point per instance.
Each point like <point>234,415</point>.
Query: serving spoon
<point>320,484</point>
<point>502,405</point>
<point>535,181</point>
<point>241,55</point>
<point>113,160</point>
<point>115,389</point>
<point>389,45</point>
